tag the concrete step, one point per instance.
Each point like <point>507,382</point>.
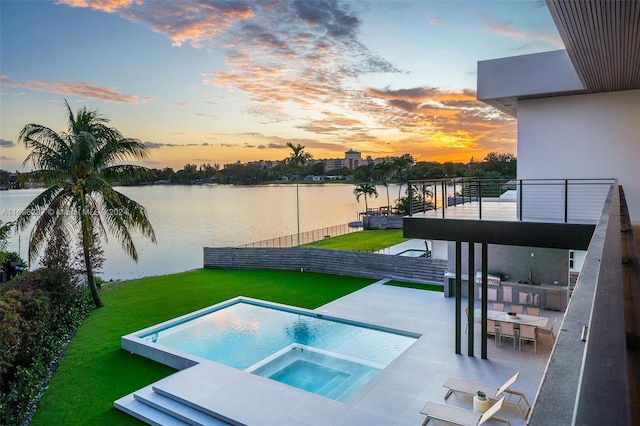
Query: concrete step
<point>156,409</point>
<point>145,413</point>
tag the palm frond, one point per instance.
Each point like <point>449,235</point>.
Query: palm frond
<point>122,149</point>
<point>37,206</point>
<point>49,150</point>
<point>50,218</point>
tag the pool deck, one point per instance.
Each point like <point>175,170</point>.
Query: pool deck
<point>394,397</point>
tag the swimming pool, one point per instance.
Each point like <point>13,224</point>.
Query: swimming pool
<point>328,356</point>
<point>413,253</point>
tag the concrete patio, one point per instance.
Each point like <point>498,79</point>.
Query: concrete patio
<point>394,397</point>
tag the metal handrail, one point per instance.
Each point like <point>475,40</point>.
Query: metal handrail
<point>531,194</point>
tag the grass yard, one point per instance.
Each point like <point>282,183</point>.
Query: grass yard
<point>417,286</point>
<point>362,240</point>
<point>95,371</point>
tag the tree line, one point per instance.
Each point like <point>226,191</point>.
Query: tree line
<point>494,165</point>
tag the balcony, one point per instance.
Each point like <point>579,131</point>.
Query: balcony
<point>591,375</point>
<point>530,200</point>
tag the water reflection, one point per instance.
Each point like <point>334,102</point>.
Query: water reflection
<point>188,218</point>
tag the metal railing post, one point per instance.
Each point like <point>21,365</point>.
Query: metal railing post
<point>435,197</point>
<point>444,197</point>
<point>480,198</point>
<point>520,198</point>
<point>566,200</point>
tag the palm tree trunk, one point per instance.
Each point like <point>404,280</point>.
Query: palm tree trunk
<point>91,282</point>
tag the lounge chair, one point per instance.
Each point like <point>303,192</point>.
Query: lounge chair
<point>471,388</point>
<point>461,416</point>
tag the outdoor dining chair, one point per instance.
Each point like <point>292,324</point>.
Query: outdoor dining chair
<point>507,330</point>
<point>528,333</point>
<point>518,309</point>
<point>533,311</point>
<point>548,330</point>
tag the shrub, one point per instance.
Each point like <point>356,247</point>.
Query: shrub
<point>38,312</point>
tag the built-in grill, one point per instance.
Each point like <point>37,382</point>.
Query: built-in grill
<point>491,279</point>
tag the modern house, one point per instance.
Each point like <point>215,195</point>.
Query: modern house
<point>578,190</point>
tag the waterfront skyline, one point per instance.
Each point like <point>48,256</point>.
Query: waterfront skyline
<point>220,82</point>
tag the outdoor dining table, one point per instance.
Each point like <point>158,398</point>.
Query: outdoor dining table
<point>520,319</point>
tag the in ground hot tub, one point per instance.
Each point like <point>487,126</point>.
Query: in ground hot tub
<point>324,373</point>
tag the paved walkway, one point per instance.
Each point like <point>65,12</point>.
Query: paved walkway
<point>417,376</point>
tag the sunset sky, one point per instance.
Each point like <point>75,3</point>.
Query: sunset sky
<point>205,81</point>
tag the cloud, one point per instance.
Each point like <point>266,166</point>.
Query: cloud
<point>7,144</point>
<point>278,52</point>
<point>202,114</point>
<point>156,145</point>
<point>103,5</point>
<point>70,88</point>
<point>435,20</point>
<point>297,59</point>
<point>506,29</point>
<point>196,22</point>
<point>442,119</point>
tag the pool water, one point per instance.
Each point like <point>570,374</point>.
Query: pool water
<point>329,357</point>
<point>413,253</point>
<point>323,373</point>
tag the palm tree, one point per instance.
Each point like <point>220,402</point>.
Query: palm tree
<point>400,164</point>
<point>295,161</point>
<point>78,168</point>
<point>383,169</point>
<point>297,158</point>
<point>367,190</point>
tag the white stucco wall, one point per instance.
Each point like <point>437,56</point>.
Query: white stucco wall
<point>586,136</point>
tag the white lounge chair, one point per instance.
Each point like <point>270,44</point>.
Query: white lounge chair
<point>471,388</point>
<point>461,416</point>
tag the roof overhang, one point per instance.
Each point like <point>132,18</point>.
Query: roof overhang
<point>502,82</point>
<point>526,234</point>
<point>602,40</point>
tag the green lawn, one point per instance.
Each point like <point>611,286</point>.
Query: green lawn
<point>95,372</point>
<point>418,286</point>
<point>362,240</point>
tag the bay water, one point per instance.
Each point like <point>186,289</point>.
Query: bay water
<point>188,218</point>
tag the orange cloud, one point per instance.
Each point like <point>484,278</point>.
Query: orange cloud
<point>194,22</point>
<point>109,6</point>
<point>506,30</point>
<point>70,88</point>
